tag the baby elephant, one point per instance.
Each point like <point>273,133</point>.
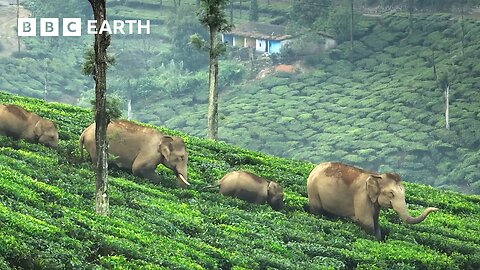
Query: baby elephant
<point>252,188</point>
<point>17,123</point>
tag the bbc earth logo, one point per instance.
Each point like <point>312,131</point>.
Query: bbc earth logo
<point>72,27</point>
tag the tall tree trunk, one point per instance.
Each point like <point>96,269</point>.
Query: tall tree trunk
<point>45,86</point>
<point>213,91</point>
<point>463,28</point>
<point>231,11</point>
<point>45,77</point>
<point>129,100</point>
<point>447,107</point>
<point>410,15</point>
<point>351,25</point>
<point>102,41</point>
<point>434,65</point>
<point>253,17</point>
<point>18,16</point>
<point>129,108</point>
<point>240,8</point>
<point>176,3</point>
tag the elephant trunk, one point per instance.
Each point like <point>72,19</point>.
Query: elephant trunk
<point>402,211</point>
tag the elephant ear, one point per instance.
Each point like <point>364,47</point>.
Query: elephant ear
<point>394,176</point>
<point>165,147</point>
<point>273,188</point>
<point>38,130</point>
<point>373,189</point>
<point>270,187</point>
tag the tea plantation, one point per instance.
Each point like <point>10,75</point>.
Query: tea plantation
<point>380,106</point>
<point>47,217</point>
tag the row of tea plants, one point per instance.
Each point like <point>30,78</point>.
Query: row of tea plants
<point>48,221</point>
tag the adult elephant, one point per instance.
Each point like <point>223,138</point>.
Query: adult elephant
<point>348,191</point>
<point>140,149</point>
<point>251,188</point>
<point>18,123</point>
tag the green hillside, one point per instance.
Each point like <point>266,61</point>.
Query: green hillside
<point>56,63</point>
<point>47,219</point>
<point>380,106</point>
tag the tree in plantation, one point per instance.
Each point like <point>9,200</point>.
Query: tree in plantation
<point>240,8</point>
<point>253,16</point>
<point>129,69</point>
<point>306,13</point>
<point>18,16</point>
<point>180,27</point>
<point>176,4</point>
<point>411,9</point>
<point>338,23</point>
<point>444,82</point>
<point>102,41</point>
<point>212,14</point>
<point>351,25</point>
<point>231,11</point>
<point>60,9</point>
<point>462,24</point>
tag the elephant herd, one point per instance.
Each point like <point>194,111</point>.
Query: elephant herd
<point>333,188</point>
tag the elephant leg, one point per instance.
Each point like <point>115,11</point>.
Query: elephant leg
<point>367,217</point>
<point>142,167</point>
<point>92,151</point>
<point>376,226</point>
<point>93,157</point>
<point>367,224</point>
<point>148,173</point>
<point>315,204</point>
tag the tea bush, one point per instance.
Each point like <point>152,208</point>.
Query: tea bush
<point>387,95</point>
<point>48,221</point>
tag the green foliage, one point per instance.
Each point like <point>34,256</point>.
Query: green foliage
<point>212,14</point>
<point>253,12</point>
<point>231,73</point>
<point>89,64</point>
<point>181,27</point>
<point>48,221</point>
<point>112,107</point>
<point>338,22</point>
<point>61,9</point>
<point>306,47</point>
<point>307,13</point>
<point>379,107</point>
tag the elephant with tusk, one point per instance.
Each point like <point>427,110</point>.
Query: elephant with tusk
<point>344,190</point>
<point>18,123</point>
<point>140,149</point>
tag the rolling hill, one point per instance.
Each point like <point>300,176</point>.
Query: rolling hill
<point>380,107</point>
<point>47,217</point>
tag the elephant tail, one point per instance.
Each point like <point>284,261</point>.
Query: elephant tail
<point>210,186</point>
<point>217,184</point>
<point>82,138</point>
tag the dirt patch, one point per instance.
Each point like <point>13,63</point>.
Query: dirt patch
<point>8,27</point>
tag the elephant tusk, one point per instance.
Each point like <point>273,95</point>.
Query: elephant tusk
<point>183,179</point>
